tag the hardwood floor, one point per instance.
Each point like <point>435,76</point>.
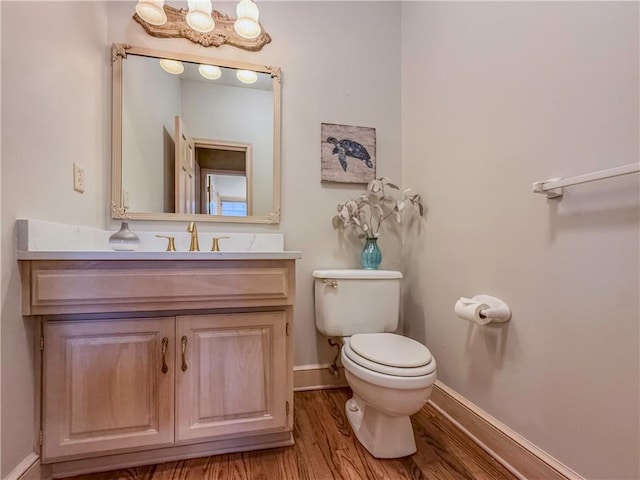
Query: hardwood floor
<point>326,449</point>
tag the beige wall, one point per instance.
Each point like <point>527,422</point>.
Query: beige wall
<point>56,110</point>
<point>495,97</point>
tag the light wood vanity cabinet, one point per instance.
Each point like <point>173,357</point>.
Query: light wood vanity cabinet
<point>134,375</point>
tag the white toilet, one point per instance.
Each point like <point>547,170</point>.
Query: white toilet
<point>391,376</point>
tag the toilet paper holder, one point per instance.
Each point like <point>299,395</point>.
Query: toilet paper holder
<point>498,311</point>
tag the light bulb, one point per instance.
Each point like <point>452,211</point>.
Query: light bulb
<point>247,25</point>
<point>174,67</point>
<point>152,11</point>
<point>211,72</point>
<point>247,9</point>
<point>199,16</point>
<point>247,76</point>
<point>247,28</point>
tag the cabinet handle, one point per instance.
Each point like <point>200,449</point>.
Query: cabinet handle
<point>184,351</point>
<point>165,344</point>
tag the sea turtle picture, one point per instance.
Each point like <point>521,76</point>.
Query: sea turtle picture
<point>348,148</point>
<point>347,153</point>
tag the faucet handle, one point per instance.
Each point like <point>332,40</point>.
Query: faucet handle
<point>215,246</point>
<point>171,244</point>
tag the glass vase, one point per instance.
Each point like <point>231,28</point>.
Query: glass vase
<point>371,255</point>
<point>124,239</point>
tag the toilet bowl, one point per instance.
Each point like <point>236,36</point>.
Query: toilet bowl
<point>385,392</point>
<point>391,376</point>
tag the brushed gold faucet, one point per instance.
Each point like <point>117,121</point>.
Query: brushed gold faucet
<point>193,230</point>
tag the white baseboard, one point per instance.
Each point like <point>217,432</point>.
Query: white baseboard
<point>522,458</point>
<point>27,469</point>
<point>316,377</point>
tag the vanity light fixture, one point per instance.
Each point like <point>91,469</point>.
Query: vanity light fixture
<point>152,11</point>
<point>174,67</point>
<point>247,25</point>
<point>199,16</point>
<point>247,76</point>
<point>203,25</point>
<point>210,72</point>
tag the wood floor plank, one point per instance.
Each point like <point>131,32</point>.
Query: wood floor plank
<point>306,447</point>
<point>463,455</point>
<point>326,449</point>
<point>212,468</point>
<point>267,465</point>
<point>289,466</point>
<point>333,437</point>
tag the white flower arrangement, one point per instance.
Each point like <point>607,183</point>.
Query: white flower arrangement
<point>367,212</point>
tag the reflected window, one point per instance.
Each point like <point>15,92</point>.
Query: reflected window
<point>234,208</point>
<point>226,194</point>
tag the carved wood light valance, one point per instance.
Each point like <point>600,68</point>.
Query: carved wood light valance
<point>223,33</point>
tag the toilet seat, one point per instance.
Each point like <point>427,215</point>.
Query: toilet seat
<point>389,354</point>
<point>393,382</point>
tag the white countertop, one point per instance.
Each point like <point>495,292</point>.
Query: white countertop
<point>143,255</point>
<point>41,240</point>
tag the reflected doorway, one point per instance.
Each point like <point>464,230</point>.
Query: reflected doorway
<point>223,175</point>
<point>212,177</point>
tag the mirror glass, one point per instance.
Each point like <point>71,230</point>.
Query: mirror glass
<point>194,138</point>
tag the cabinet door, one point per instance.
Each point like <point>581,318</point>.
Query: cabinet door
<point>234,375</point>
<point>105,387</point>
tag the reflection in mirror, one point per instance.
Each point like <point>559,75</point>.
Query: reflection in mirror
<point>225,178</point>
<point>195,138</point>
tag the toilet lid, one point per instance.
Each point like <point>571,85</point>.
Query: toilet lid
<point>390,349</point>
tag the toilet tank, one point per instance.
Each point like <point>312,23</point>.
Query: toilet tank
<point>356,301</point>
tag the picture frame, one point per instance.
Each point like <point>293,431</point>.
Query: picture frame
<point>348,153</point>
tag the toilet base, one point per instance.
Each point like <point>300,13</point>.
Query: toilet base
<point>382,435</point>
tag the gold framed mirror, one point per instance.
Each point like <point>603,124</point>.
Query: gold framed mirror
<point>194,138</point>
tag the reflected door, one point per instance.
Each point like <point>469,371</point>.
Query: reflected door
<point>185,170</point>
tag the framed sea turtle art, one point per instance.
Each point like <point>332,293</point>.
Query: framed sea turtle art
<point>348,153</point>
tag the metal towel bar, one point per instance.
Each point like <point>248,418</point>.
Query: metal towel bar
<point>552,188</point>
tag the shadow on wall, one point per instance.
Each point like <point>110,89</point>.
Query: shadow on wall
<point>486,347</point>
<point>488,340</point>
<point>412,316</point>
<point>415,328</point>
<point>581,210</point>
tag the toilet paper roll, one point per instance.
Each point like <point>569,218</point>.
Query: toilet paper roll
<point>469,309</point>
